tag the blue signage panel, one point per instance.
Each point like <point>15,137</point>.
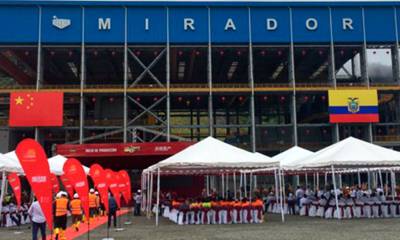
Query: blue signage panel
<point>147,25</point>
<point>270,25</point>
<point>347,25</point>
<point>20,24</point>
<point>311,25</point>
<point>188,25</point>
<point>379,25</point>
<point>229,25</point>
<point>105,25</point>
<point>62,25</point>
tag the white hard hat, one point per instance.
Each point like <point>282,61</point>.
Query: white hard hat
<point>76,195</point>
<point>91,190</point>
<point>139,191</point>
<point>59,194</point>
<point>97,193</point>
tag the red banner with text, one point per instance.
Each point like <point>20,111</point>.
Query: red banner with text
<point>76,175</point>
<point>15,184</point>
<point>97,174</point>
<point>34,162</point>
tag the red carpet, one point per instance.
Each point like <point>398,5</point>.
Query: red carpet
<point>70,233</point>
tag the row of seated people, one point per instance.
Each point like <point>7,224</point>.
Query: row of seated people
<point>351,205</point>
<point>11,215</point>
<point>214,211</point>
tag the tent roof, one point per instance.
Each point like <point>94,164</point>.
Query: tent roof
<point>8,164</point>
<point>292,156</point>
<point>352,152</point>
<point>56,163</point>
<point>211,153</point>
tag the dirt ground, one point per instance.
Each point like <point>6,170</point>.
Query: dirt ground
<point>295,228</point>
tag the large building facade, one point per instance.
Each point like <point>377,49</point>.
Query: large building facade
<point>254,74</point>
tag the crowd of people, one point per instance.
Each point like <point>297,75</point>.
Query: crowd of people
<point>11,214</point>
<point>353,202</point>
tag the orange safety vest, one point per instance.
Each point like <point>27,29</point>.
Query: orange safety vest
<point>92,200</point>
<point>61,206</point>
<point>76,208</point>
<point>97,201</point>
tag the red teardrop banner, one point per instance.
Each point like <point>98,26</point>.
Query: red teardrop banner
<point>126,179</point>
<point>15,184</point>
<point>73,170</point>
<point>113,185</point>
<point>55,183</point>
<point>97,174</point>
<point>67,185</point>
<point>34,162</point>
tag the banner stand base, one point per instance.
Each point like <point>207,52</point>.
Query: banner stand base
<point>18,232</point>
<point>107,239</point>
<point>128,223</point>
<point>119,229</point>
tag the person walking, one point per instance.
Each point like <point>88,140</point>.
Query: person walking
<point>60,215</point>
<point>112,210</point>
<point>76,211</point>
<point>138,202</point>
<point>38,220</point>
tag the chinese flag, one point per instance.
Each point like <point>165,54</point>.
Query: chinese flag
<point>36,109</point>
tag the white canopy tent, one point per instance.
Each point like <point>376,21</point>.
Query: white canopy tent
<point>291,157</point>
<point>350,153</point>
<point>208,154</point>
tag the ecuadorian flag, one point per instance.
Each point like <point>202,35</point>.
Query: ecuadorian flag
<point>353,106</point>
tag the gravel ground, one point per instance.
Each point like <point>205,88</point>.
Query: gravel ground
<point>295,228</point>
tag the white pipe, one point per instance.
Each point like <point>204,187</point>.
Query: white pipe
<point>255,181</point>
<point>245,184</point>
<point>158,196</point>
<point>276,184</point>
<point>359,178</point>
<point>281,194</point>
<point>151,193</point>
<point>234,186</point>
<point>340,181</point>
<point>222,186</point>
<point>334,187</point>
<point>386,182</point>
<point>326,178</point>
<point>226,185</point>
<point>393,185</point>
<point>380,178</point>
<point>283,186</point>
<point>317,176</point>
<point>208,185</point>
<point>241,185</point>
<point>369,180</point>
<point>251,183</point>
<point>306,179</point>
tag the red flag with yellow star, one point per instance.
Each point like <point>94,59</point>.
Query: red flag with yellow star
<point>36,109</point>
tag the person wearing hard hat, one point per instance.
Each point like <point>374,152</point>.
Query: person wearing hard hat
<point>76,211</point>
<point>92,204</point>
<point>60,209</point>
<point>138,202</point>
<point>98,210</point>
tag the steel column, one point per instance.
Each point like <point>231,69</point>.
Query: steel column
<point>251,81</point>
<point>82,84</point>
<point>125,107</point>
<point>209,79</point>
<point>168,81</point>
<point>292,79</point>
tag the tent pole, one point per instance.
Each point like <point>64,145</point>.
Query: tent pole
<point>340,181</point>
<point>234,186</point>
<point>334,187</point>
<point>245,184</point>
<point>359,178</point>
<point>222,186</point>
<point>313,180</point>
<point>241,185</point>
<point>326,178</point>
<point>380,178</point>
<point>251,181</point>
<point>151,193</point>
<point>208,185</point>
<point>369,180</point>
<point>276,184</point>
<point>283,186</point>
<point>394,182</point>
<point>158,196</point>
<point>306,179</point>
<point>317,178</point>
<point>281,194</point>
<point>255,181</point>
<point>226,185</point>
<point>3,186</point>
<point>386,182</point>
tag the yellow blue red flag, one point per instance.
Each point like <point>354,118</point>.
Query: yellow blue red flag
<point>353,106</point>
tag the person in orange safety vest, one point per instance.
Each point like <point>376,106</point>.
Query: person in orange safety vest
<point>92,204</point>
<point>60,208</point>
<point>76,211</point>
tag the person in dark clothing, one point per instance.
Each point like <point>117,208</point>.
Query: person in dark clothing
<point>112,210</point>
